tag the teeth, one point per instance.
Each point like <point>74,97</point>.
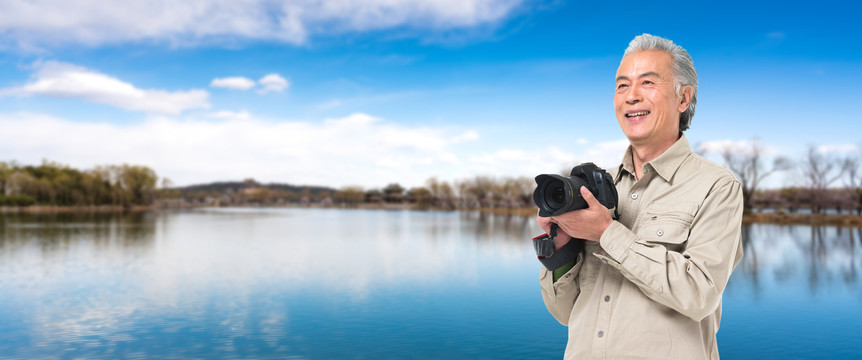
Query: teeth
<point>638,113</point>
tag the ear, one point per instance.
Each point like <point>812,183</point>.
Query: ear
<point>685,97</point>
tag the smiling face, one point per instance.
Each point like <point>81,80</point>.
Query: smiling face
<point>647,107</point>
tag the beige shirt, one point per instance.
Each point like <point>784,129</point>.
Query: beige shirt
<point>651,287</point>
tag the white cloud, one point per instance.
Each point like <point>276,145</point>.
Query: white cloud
<point>273,82</point>
<point>236,83</point>
<point>225,114</point>
<point>718,146</point>
<point>62,80</point>
<point>358,149</point>
<point>839,149</point>
<point>32,23</point>
<point>268,83</point>
<point>742,147</point>
<point>548,159</point>
<point>465,137</point>
<point>519,162</point>
<point>606,154</point>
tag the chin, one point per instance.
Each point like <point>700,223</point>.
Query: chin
<point>637,135</point>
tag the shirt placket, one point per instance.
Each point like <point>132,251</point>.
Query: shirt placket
<point>631,203</point>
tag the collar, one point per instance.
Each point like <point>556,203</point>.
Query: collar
<point>666,164</point>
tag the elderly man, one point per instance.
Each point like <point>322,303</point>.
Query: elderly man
<point>648,284</point>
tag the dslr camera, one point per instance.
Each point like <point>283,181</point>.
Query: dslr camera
<point>556,194</point>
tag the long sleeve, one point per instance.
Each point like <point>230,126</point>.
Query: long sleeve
<point>559,296</point>
<point>682,259</point>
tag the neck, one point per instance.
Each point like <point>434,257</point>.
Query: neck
<point>643,153</point>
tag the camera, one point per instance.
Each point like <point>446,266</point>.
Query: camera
<point>556,194</point>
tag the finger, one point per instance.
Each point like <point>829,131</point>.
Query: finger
<point>588,196</point>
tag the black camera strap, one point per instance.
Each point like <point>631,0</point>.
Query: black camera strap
<point>545,249</point>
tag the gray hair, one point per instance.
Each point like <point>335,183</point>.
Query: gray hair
<point>683,69</point>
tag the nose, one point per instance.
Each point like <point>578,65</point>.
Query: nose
<point>633,96</point>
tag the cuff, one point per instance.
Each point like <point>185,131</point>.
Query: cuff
<point>616,240</point>
<point>565,282</point>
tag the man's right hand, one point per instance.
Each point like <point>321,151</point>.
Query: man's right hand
<point>561,239</point>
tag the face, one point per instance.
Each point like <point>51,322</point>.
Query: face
<point>647,107</point>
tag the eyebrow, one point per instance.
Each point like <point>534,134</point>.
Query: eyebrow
<point>648,73</point>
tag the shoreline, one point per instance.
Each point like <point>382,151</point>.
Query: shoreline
<point>50,209</point>
<point>751,218</point>
<point>803,219</point>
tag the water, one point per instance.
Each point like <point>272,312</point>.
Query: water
<point>355,284</point>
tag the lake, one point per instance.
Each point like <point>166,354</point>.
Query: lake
<point>366,284</point>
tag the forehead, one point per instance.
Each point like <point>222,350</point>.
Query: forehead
<point>646,61</point>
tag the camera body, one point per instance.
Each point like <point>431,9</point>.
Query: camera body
<point>556,194</point>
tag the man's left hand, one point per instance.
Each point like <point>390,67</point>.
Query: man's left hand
<point>587,224</point>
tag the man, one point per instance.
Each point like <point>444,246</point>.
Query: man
<point>648,284</point>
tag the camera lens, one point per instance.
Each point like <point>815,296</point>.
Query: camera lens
<point>555,194</point>
<point>559,195</point>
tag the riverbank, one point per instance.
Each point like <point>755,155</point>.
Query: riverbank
<point>810,219</point>
<point>752,218</point>
<point>43,209</point>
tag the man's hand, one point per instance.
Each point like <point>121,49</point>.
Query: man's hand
<point>561,239</point>
<point>587,224</point>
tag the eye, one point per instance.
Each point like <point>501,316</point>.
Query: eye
<point>620,86</point>
<point>648,82</point>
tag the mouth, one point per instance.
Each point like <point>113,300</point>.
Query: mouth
<point>637,113</point>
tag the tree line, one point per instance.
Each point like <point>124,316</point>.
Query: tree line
<point>480,191</point>
<point>477,192</point>
<point>54,184</point>
<point>823,183</point>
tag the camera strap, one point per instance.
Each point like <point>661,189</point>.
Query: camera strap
<point>548,256</point>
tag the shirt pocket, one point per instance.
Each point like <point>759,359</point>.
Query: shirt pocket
<point>667,225</point>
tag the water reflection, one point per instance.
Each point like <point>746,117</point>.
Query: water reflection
<point>248,248</point>
<point>489,227</point>
<point>819,256</point>
<point>54,232</point>
<point>363,249</point>
<point>235,283</point>
<point>252,283</point>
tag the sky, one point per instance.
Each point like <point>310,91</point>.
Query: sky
<point>367,93</point>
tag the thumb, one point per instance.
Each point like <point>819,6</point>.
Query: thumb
<point>590,199</point>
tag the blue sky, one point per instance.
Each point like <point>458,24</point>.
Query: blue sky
<point>371,92</point>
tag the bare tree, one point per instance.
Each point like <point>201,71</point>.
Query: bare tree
<point>820,171</point>
<point>351,195</point>
<point>749,166</point>
<point>853,167</point>
<point>479,191</point>
<point>517,192</point>
<point>442,193</point>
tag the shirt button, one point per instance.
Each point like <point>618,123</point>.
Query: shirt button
<point>601,333</point>
<point>604,261</point>
<point>634,196</point>
<point>659,232</point>
<point>607,298</point>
